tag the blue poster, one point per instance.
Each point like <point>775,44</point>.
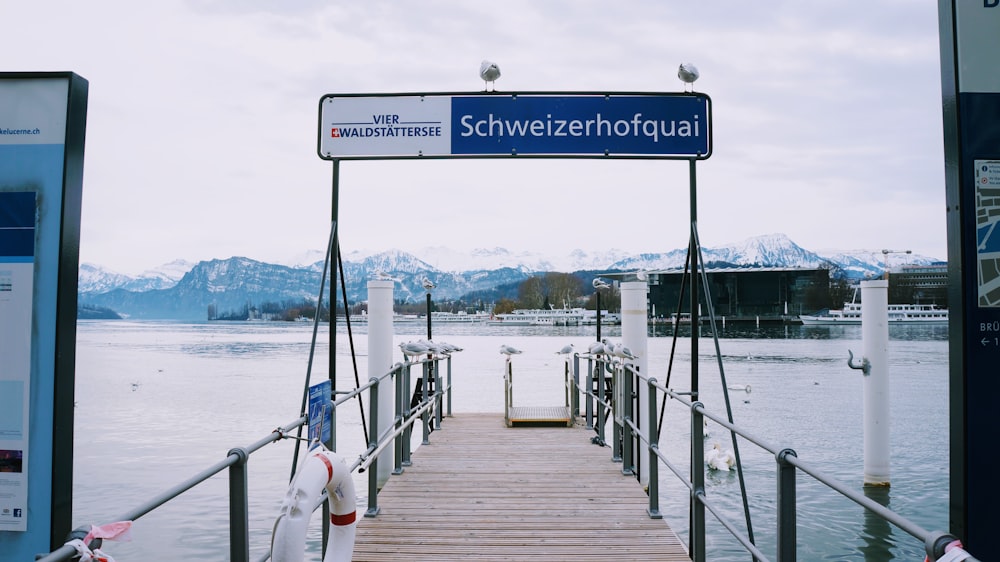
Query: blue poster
<point>320,412</point>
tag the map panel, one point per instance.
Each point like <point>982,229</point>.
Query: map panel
<point>987,178</point>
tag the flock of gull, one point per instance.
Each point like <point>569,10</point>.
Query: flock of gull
<point>489,71</point>
<point>427,347</point>
<point>603,347</point>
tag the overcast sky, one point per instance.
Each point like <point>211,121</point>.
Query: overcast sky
<point>202,123</point>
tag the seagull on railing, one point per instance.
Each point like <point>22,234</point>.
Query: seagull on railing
<point>508,350</point>
<point>596,348</point>
<point>414,349</point>
<point>566,350</point>
<point>489,72</point>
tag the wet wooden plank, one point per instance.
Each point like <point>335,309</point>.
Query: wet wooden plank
<point>483,491</point>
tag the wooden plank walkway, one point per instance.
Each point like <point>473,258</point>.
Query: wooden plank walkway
<point>482,491</point>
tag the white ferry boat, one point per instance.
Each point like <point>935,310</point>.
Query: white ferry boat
<point>898,314</point>
<point>539,317</point>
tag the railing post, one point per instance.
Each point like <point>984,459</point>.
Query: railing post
<point>408,430</point>
<point>373,437</point>
<point>425,417</point>
<point>617,414</point>
<point>599,400</point>
<point>397,377</point>
<point>654,460</point>
<point>438,395</point>
<point>628,414</point>
<point>576,385</point>
<point>239,525</point>
<point>588,396</point>
<point>786,506</point>
<point>697,509</point>
<point>449,386</point>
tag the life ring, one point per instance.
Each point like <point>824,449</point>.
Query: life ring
<point>321,469</point>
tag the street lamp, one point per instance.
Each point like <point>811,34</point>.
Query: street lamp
<point>885,254</point>
<point>598,285</point>
<point>428,285</point>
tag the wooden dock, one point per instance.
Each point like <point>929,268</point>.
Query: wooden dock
<point>483,491</point>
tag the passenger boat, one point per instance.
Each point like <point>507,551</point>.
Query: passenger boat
<point>898,314</point>
<point>540,317</point>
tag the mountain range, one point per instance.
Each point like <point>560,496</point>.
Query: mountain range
<point>183,290</point>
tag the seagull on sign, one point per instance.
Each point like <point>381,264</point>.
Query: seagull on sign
<point>489,72</point>
<point>688,74</point>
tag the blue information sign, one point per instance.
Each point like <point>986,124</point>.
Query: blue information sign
<point>589,125</point>
<point>320,411</point>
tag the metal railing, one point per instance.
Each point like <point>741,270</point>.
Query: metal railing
<point>434,401</point>
<point>621,398</point>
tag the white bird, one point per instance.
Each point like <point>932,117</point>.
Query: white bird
<point>508,350</point>
<point>624,352</point>
<point>596,348</point>
<point>720,459</point>
<point>566,350</point>
<point>641,275</point>
<point>413,349</point>
<point>449,347</point>
<point>427,284</point>
<point>489,72</point>
<point>383,276</point>
<point>688,74</point>
<point>599,284</point>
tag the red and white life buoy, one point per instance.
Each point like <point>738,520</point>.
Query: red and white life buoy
<point>321,469</point>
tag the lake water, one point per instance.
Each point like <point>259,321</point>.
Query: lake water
<point>158,402</point>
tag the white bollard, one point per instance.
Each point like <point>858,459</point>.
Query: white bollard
<point>634,337</point>
<point>380,354</point>
<point>875,344</point>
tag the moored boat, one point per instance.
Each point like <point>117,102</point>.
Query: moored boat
<point>898,314</point>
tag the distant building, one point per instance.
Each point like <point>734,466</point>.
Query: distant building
<point>744,293</point>
<point>919,284</point>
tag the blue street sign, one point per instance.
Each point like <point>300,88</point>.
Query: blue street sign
<point>589,125</point>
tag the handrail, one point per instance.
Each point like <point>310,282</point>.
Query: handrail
<point>237,458</point>
<point>631,429</point>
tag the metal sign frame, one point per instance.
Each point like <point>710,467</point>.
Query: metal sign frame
<point>539,118</point>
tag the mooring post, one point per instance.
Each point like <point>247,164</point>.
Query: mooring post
<point>634,336</point>
<point>380,362</point>
<point>875,345</point>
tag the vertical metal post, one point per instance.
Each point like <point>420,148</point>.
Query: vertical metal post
<point>654,460</point>
<point>786,506</point>
<point>373,436</point>
<point>334,211</point>
<point>449,386</point>
<point>628,414</point>
<point>397,375</point>
<point>576,384</point>
<point>408,432</point>
<point>438,394</point>
<point>239,526</point>
<point>590,389</point>
<point>697,525</point>
<point>598,291</point>
<point>601,395</point>
<point>425,417</point>
<point>693,250</point>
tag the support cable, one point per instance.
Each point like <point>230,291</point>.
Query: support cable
<point>350,340</point>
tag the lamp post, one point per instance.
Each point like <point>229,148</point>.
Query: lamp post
<point>885,254</point>
<point>598,285</point>
<point>428,285</point>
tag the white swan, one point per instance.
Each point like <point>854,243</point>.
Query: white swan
<point>719,459</point>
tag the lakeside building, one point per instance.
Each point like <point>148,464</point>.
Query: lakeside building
<point>919,284</point>
<point>767,294</point>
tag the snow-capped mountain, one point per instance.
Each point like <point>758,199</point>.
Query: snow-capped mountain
<point>182,290</point>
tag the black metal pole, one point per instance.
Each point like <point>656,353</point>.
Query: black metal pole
<point>429,315</point>
<point>334,211</point>
<point>598,315</point>
<point>694,280</point>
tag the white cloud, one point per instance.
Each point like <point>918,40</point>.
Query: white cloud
<point>202,123</point>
